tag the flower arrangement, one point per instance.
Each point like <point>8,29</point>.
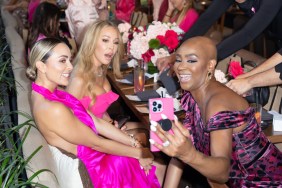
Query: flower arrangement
<point>234,70</point>
<point>152,41</point>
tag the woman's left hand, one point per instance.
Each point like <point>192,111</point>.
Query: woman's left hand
<point>177,144</point>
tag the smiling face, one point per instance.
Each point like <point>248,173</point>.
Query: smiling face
<point>194,59</point>
<point>57,67</point>
<point>106,46</point>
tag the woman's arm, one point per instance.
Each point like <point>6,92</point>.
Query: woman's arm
<point>169,12</point>
<point>214,167</point>
<point>208,18</point>
<point>255,26</point>
<point>268,64</point>
<point>59,120</point>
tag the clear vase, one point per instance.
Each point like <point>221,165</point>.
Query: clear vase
<point>139,76</point>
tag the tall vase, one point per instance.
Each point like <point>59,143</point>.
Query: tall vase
<point>139,76</point>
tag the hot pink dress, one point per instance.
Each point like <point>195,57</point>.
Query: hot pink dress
<point>101,104</point>
<point>188,20</point>
<point>104,169</point>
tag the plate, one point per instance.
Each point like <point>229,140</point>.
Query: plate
<point>133,97</point>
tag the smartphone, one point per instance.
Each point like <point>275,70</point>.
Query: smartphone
<point>158,106</point>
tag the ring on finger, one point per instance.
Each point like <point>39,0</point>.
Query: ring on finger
<point>166,143</point>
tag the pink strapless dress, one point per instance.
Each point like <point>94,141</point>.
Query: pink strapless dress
<point>101,104</point>
<point>105,170</point>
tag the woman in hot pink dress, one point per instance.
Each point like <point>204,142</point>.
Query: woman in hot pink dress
<point>111,157</point>
<point>182,13</point>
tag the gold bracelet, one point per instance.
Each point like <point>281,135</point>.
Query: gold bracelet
<point>133,141</point>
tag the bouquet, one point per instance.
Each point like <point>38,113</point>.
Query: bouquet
<point>234,70</point>
<point>152,41</point>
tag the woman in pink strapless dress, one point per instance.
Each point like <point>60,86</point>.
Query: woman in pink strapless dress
<point>65,124</point>
<point>91,63</point>
<point>90,74</point>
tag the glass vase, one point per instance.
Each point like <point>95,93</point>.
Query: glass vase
<point>139,76</point>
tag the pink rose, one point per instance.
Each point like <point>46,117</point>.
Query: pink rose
<point>147,56</point>
<point>235,69</point>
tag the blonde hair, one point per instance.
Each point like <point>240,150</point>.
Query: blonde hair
<point>41,51</point>
<point>84,58</point>
<point>182,13</point>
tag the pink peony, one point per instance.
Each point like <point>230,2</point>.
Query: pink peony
<point>235,69</point>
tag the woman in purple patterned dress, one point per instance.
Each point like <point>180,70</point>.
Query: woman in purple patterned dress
<point>220,137</point>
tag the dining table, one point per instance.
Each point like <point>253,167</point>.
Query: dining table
<point>140,108</point>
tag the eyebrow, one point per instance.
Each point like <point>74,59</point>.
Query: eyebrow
<point>189,55</point>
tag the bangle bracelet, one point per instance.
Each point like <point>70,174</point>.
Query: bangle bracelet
<point>168,15</point>
<point>133,141</point>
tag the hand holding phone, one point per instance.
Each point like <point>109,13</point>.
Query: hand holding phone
<point>157,107</point>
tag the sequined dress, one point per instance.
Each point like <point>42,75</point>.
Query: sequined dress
<point>255,161</point>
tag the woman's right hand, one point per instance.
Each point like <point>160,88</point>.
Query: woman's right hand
<point>165,63</point>
<point>146,160</point>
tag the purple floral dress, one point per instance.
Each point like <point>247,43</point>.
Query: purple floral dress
<point>255,161</point>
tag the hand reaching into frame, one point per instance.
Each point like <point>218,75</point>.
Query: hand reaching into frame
<point>165,63</point>
<point>239,85</point>
<point>177,144</point>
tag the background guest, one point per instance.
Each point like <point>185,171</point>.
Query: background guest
<point>45,24</point>
<point>221,137</point>
<point>270,11</point>
<point>109,155</point>
<point>80,13</point>
<point>182,13</point>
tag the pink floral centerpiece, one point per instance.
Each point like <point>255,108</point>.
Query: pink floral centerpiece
<point>152,41</point>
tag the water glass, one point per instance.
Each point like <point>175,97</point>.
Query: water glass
<point>139,79</point>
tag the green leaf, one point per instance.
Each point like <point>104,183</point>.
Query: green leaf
<point>154,44</point>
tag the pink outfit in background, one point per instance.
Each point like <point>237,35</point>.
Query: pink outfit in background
<point>33,4</point>
<point>79,14</point>
<point>188,20</point>
<point>102,103</point>
<point>124,8</point>
<point>105,170</point>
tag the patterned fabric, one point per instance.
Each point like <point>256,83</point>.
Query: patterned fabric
<point>255,161</point>
<point>102,103</point>
<point>104,169</point>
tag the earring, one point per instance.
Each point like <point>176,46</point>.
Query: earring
<point>209,75</point>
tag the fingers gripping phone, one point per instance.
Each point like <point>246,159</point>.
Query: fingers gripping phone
<point>158,106</point>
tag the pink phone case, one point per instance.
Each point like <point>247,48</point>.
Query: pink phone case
<point>158,106</point>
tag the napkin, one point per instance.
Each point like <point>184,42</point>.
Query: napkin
<point>130,77</point>
<point>169,82</point>
<point>277,120</point>
<point>147,94</point>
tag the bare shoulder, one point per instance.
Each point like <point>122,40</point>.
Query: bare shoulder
<point>49,114</point>
<point>224,99</point>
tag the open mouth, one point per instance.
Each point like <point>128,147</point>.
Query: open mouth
<point>67,75</point>
<point>185,77</point>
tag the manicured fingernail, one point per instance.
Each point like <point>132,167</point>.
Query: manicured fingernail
<point>164,116</point>
<point>153,128</point>
<point>152,141</point>
<point>153,123</point>
<point>175,118</point>
<point>141,167</point>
